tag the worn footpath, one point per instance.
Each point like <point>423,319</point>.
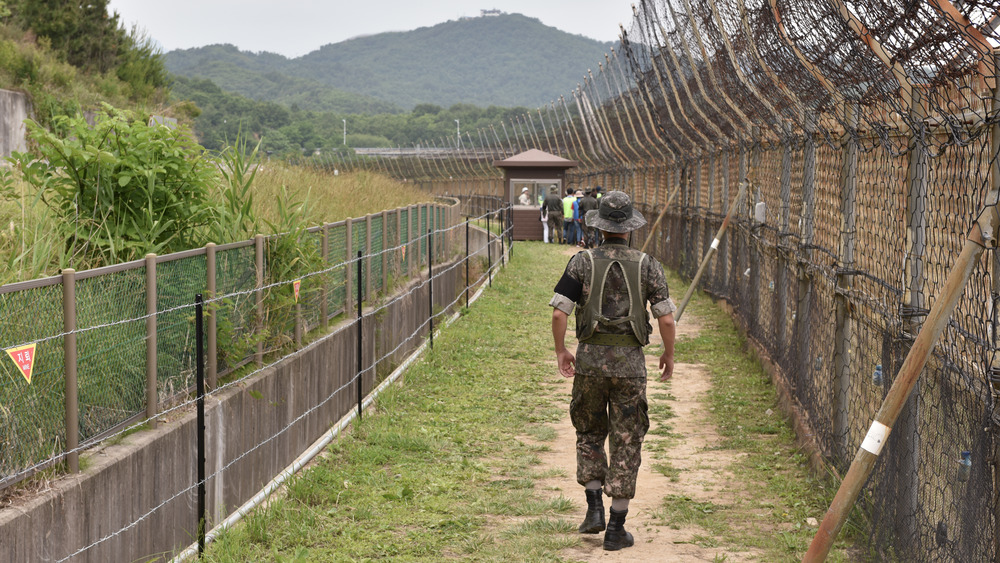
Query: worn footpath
<point>685,442</point>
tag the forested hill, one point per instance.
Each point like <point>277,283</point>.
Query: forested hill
<point>507,60</point>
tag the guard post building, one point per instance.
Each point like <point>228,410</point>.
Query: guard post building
<point>540,172</point>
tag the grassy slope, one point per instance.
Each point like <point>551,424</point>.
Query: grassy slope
<point>437,472</point>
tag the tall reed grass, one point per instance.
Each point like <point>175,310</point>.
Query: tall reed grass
<point>30,246</point>
<point>330,198</point>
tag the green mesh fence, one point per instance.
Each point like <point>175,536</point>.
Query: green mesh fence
<point>338,276</point>
<point>422,235</point>
<point>393,257</point>
<point>406,216</point>
<point>32,421</point>
<point>111,372</point>
<point>359,237</point>
<point>377,245</point>
<point>311,287</point>
<point>236,312</point>
<point>111,342</point>
<point>177,283</point>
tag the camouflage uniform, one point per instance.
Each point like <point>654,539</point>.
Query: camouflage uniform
<point>609,387</point>
<point>588,203</point>
<point>555,208</point>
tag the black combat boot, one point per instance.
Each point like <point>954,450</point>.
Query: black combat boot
<point>616,537</point>
<point>594,521</point>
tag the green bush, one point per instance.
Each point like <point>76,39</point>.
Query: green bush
<point>121,188</point>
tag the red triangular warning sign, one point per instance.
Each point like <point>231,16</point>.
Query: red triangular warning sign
<point>296,285</point>
<point>24,357</point>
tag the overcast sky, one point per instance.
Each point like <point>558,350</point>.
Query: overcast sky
<point>296,27</point>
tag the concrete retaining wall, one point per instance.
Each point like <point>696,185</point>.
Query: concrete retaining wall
<point>138,499</point>
<point>14,109</point>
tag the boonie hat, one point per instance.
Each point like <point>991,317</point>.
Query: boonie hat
<point>578,193</point>
<point>524,189</point>
<point>615,214</point>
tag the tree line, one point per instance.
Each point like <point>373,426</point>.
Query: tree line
<point>292,131</point>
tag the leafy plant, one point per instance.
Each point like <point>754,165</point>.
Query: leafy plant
<point>239,168</point>
<point>121,188</point>
<point>290,254</point>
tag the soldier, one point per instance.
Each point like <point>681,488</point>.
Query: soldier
<point>588,203</point>
<point>609,287</point>
<point>554,209</point>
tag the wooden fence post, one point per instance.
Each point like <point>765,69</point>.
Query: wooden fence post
<point>368,258</point>
<point>385,253</point>
<point>69,361</point>
<point>349,267</point>
<point>152,397</point>
<point>259,262</point>
<point>324,288</point>
<point>397,260</point>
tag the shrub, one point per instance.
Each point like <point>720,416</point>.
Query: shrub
<point>121,188</point>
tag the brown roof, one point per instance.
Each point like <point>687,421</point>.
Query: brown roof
<point>534,158</point>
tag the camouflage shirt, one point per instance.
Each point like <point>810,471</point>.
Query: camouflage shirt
<point>574,288</point>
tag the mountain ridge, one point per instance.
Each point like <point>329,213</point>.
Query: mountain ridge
<point>507,60</point>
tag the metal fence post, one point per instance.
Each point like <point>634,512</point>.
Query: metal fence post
<point>724,245</point>
<point>803,319</point>
<point>845,282</point>
<point>712,166</point>
<point>152,398</point>
<point>784,250</point>
<point>259,261</point>
<point>993,302</point>
<point>913,312</point>
<point>753,251</point>
<point>360,350</point>
<point>489,250</point>
<point>211,342</point>
<point>468,282</point>
<point>200,390</point>
<point>430,290</point>
<point>70,359</point>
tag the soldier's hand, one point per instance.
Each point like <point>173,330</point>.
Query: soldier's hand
<point>567,363</point>
<point>666,366</point>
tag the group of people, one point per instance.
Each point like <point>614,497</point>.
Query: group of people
<point>563,218</point>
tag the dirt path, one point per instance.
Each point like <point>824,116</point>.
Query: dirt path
<point>702,471</point>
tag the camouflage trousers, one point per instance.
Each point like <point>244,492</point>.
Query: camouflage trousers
<point>612,408</point>
<point>555,223</point>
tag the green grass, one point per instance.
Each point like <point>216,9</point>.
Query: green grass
<point>777,490</point>
<point>437,471</point>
